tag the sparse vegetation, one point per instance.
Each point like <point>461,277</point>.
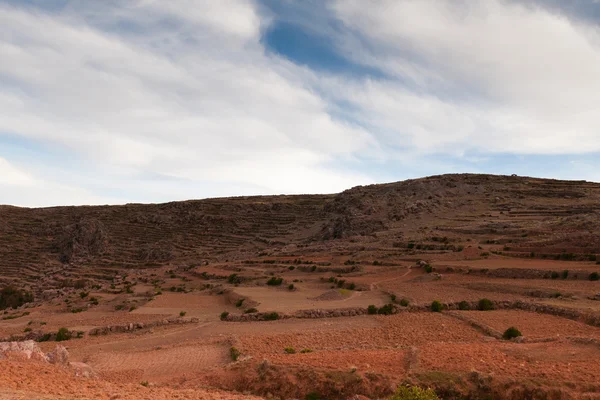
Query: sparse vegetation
<point>372,309</point>
<point>291,287</point>
<point>250,311</point>
<point>63,334</point>
<point>404,302</point>
<point>565,274</point>
<point>182,313</point>
<point>387,309</point>
<point>275,281</point>
<point>224,315</point>
<point>436,306</point>
<point>594,276</point>
<point>304,351</point>
<point>234,353</point>
<point>414,393</point>
<point>464,305</point>
<point>11,297</point>
<point>239,303</point>
<point>511,333</point>
<point>485,305</point>
<point>289,350</point>
<point>272,316</point>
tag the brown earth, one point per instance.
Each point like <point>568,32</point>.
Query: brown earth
<point>153,280</point>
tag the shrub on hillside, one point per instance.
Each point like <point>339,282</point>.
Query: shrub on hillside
<point>404,302</point>
<point>565,274</point>
<point>511,333</point>
<point>272,316</point>
<point>224,315</point>
<point>275,281</point>
<point>485,305</point>
<point>63,334</point>
<point>234,353</point>
<point>464,305</point>
<point>414,393</point>
<point>594,276</point>
<point>251,310</point>
<point>436,306</point>
<point>11,297</point>
<point>388,309</point>
<point>372,309</point>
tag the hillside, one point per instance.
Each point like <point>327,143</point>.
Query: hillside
<point>547,217</point>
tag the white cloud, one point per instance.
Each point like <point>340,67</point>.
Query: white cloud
<point>10,175</point>
<point>491,76</point>
<point>185,90</point>
<point>192,95</point>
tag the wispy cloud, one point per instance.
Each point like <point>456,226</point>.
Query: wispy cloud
<point>154,100</point>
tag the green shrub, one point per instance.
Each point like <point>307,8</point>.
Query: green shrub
<point>239,302</point>
<point>464,305</point>
<point>132,308</point>
<point>511,333</point>
<point>11,297</point>
<point>388,309</point>
<point>313,268</point>
<point>428,268</point>
<point>554,275</point>
<point>250,310</point>
<point>83,295</point>
<point>275,281</point>
<point>404,302</point>
<point>182,313</point>
<point>272,316</point>
<point>436,306</point>
<point>224,315</point>
<point>27,330</point>
<point>414,393</point>
<point>291,268</point>
<point>352,286</point>
<point>485,305</point>
<point>594,276</point>
<point>44,338</point>
<point>393,297</point>
<point>290,350</point>
<point>234,278</point>
<point>312,396</point>
<point>234,353</point>
<point>372,309</point>
<point>291,286</point>
<point>63,334</point>
<point>304,351</point>
<point>565,274</point>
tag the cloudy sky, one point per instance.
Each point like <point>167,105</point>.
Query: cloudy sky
<point>116,101</point>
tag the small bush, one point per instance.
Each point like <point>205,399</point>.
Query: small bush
<point>44,338</point>
<point>83,295</point>
<point>144,383</point>
<point>313,268</point>
<point>428,268</point>
<point>485,305</point>
<point>388,309</point>
<point>464,305</point>
<point>352,286</point>
<point>272,316</point>
<point>250,310</point>
<point>132,308</point>
<point>393,297</point>
<point>436,306</point>
<point>565,274</point>
<point>63,334</point>
<point>291,286</point>
<point>511,333</point>
<point>554,275</point>
<point>11,297</point>
<point>291,268</point>
<point>182,313</point>
<point>594,276</point>
<point>304,351</point>
<point>234,353</point>
<point>275,281</point>
<point>27,330</point>
<point>372,309</point>
<point>404,302</point>
<point>414,393</point>
<point>290,350</point>
<point>224,315</point>
<point>239,302</point>
<point>233,279</point>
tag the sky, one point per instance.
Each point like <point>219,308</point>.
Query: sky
<point>119,101</point>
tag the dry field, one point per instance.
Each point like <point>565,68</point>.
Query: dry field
<point>312,297</point>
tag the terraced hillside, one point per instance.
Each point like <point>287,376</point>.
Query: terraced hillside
<point>525,216</point>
